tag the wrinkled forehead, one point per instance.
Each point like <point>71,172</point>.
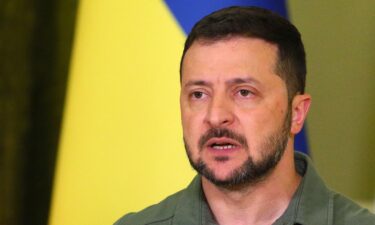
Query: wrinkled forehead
<point>239,44</point>
<point>234,55</point>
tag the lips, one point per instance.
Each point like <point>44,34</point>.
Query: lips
<point>222,144</point>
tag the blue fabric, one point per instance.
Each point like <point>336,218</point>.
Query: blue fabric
<point>300,143</point>
<point>188,12</point>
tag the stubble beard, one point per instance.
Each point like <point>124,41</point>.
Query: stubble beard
<point>250,172</point>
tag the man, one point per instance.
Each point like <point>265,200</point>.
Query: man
<point>242,103</point>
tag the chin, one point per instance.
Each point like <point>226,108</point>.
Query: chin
<point>221,175</point>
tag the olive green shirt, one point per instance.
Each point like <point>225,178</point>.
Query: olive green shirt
<point>312,204</point>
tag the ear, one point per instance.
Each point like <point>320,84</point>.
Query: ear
<point>300,108</point>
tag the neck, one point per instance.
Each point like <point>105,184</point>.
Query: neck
<point>260,203</point>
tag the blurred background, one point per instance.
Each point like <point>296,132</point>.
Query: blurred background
<point>89,112</point>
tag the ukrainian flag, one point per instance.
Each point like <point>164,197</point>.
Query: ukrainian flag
<point>121,145</point>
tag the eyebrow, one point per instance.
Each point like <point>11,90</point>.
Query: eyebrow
<point>198,83</point>
<point>242,81</point>
<point>237,80</point>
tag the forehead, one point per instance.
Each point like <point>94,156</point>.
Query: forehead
<point>236,56</point>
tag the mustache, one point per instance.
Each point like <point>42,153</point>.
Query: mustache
<point>221,132</point>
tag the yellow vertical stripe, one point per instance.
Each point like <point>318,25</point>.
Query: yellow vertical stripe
<point>121,146</point>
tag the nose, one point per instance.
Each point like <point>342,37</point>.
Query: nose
<point>220,112</point>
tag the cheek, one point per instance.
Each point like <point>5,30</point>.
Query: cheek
<point>258,124</point>
<point>254,127</point>
<point>192,115</point>
<point>192,123</point>
<point>185,115</point>
<point>275,113</point>
<point>254,121</point>
<point>191,133</point>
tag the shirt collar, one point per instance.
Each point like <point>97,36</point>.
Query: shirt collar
<point>310,205</point>
<point>189,208</point>
<point>316,204</point>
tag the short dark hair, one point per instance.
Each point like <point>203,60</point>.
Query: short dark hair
<point>255,22</point>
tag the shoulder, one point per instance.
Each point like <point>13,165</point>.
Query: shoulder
<point>318,204</point>
<point>347,212</point>
<point>160,213</point>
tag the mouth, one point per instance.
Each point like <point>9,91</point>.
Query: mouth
<point>222,144</point>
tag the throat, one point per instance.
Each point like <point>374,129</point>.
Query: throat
<point>262,203</point>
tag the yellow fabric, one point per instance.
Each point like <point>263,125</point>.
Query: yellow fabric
<point>121,146</point>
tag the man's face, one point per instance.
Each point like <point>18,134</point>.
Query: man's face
<point>234,108</point>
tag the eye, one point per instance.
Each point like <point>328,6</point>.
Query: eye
<point>197,95</point>
<point>244,93</point>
